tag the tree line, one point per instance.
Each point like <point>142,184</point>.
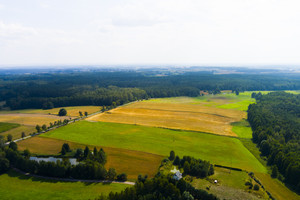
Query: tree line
<point>275,123</point>
<point>90,167</point>
<point>116,88</point>
<point>160,187</point>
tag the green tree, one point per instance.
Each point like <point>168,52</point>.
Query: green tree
<point>63,151</point>
<point>95,152</point>
<point>176,161</point>
<point>4,165</point>
<point>13,146</point>
<point>187,196</point>
<point>2,141</point>
<point>80,114</point>
<point>38,128</point>
<point>172,155</point>
<point>79,154</point>
<point>62,112</point>
<point>44,127</point>
<point>274,172</point>
<point>66,147</point>
<point>186,167</point>
<point>23,134</point>
<point>256,187</point>
<point>122,177</point>
<point>86,113</point>
<point>9,137</point>
<point>27,154</point>
<point>111,174</point>
<point>86,152</point>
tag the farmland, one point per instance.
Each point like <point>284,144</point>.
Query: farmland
<point>26,120</point>
<point>121,159</point>
<point>7,126</point>
<point>23,187</point>
<point>71,111</point>
<point>218,149</point>
<point>196,114</point>
<point>137,136</point>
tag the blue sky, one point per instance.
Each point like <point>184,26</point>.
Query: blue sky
<point>187,32</point>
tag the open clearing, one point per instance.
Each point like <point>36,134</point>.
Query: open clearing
<point>23,187</point>
<point>71,111</point>
<point>217,149</point>
<point>231,185</point>
<point>132,163</point>
<point>197,114</point>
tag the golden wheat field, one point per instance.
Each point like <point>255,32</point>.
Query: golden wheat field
<point>30,119</point>
<point>184,114</point>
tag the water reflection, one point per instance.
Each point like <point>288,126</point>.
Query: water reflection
<point>73,161</point>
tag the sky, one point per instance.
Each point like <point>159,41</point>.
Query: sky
<point>158,32</point>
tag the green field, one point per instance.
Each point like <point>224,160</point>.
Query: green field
<point>242,129</point>
<point>231,185</point>
<point>16,186</point>
<point>217,149</point>
<point>7,126</point>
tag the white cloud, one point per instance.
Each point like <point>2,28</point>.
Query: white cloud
<point>151,31</point>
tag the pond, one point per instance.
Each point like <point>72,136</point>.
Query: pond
<point>73,161</point>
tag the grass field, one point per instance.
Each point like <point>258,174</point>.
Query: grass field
<point>17,132</point>
<point>242,129</point>
<point>71,111</point>
<point>217,149</point>
<point>16,186</point>
<point>7,126</point>
<point>197,114</point>
<point>121,159</point>
<point>276,188</point>
<point>231,185</point>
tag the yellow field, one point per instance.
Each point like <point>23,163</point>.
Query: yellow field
<point>132,163</point>
<point>30,119</point>
<point>183,113</point>
<point>71,111</point>
<point>16,132</point>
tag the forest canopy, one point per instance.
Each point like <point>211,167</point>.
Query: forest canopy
<point>47,90</point>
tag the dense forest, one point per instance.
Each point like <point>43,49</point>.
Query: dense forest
<point>276,124</point>
<point>43,90</point>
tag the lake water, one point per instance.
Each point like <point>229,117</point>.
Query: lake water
<point>73,161</point>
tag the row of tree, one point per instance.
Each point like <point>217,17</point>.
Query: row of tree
<point>160,188</point>
<point>88,169</point>
<point>275,123</point>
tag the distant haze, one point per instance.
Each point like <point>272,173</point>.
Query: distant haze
<point>149,32</point>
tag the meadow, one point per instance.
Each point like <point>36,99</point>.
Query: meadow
<point>131,162</point>
<point>7,126</point>
<point>231,185</point>
<point>217,149</point>
<point>197,114</point>
<point>24,187</point>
